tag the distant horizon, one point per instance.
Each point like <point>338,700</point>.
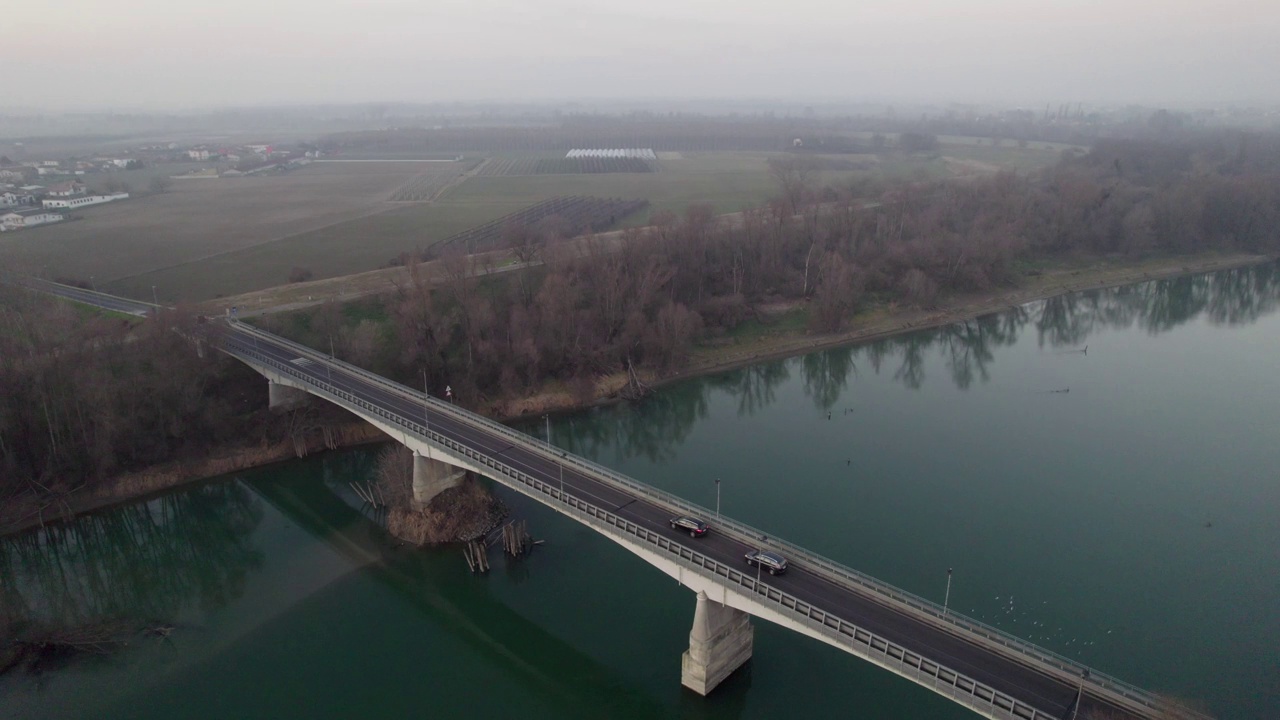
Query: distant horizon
<point>154,56</point>
<point>622,104</point>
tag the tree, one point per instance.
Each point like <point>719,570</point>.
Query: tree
<point>300,274</point>
<point>160,184</point>
<point>794,175</point>
<point>916,142</point>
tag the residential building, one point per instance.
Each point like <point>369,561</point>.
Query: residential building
<point>14,198</point>
<point>66,189</point>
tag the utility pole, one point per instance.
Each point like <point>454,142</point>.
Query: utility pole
<point>946,598</point>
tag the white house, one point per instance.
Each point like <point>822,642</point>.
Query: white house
<point>198,154</point>
<point>20,219</point>
<point>13,198</point>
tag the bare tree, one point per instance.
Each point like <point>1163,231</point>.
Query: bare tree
<point>795,175</point>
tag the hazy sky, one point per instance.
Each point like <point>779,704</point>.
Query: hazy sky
<point>180,53</point>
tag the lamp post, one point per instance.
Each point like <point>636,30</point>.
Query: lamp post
<point>1080,693</point>
<point>946,598</point>
<point>717,501</point>
<point>758,565</point>
<point>426,400</point>
<point>154,300</point>
<point>332,356</point>
<point>547,417</point>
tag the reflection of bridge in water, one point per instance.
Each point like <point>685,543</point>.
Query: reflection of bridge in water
<point>977,666</point>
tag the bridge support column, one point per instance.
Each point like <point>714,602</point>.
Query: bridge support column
<point>719,643</point>
<point>432,477</point>
<point>282,397</point>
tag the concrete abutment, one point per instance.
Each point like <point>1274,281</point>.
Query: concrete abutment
<point>719,643</point>
<point>432,477</point>
<point>282,397</point>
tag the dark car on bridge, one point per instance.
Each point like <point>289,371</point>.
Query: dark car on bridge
<point>694,526</point>
<point>771,561</point>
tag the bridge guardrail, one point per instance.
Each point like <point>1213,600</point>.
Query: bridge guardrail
<point>959,687</point>
<point>825,566</point>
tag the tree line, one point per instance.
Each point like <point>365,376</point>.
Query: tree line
<point>87,396</point>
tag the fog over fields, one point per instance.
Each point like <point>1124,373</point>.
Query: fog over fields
<point>239,52</point>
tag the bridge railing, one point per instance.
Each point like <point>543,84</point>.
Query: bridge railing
<point>957,686</point>
<point>826,567</point>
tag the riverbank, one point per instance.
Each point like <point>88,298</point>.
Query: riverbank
<point>781,334</point>
<point>784,335</point>
<point>26,514</point>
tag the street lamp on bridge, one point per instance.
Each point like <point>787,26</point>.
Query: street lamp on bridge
<point>946,598</point>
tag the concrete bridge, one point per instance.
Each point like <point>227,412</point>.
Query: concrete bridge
<point>980,667</point>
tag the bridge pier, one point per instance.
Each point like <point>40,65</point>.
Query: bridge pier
<point>719,643</point>
<point>283,397</point>
<point>432,477</point>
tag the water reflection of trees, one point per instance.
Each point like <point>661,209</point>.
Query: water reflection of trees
<point>1229,297</point>
<point>651,428</point>
<point>143,562</point>
<point>655,426</point>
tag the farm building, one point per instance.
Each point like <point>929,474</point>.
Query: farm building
<point>19,219</point>
<point>638,153</point>
<point>75,202</point>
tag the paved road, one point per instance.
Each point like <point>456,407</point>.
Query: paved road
<point>88,297</point>
<point>997,670</point>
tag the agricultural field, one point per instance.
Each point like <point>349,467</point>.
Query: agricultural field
<point>357,245</point>
<point>576,215</point>
<point>727,181</point>
<point>427,185</point>
<point>518,166</point>
<point>196,220</point>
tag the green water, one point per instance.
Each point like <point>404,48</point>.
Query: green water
<point>1132,523</point>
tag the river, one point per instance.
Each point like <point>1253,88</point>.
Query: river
<point>1119,505</point>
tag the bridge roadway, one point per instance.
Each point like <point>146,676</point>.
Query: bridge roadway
<point>1008,673</point>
